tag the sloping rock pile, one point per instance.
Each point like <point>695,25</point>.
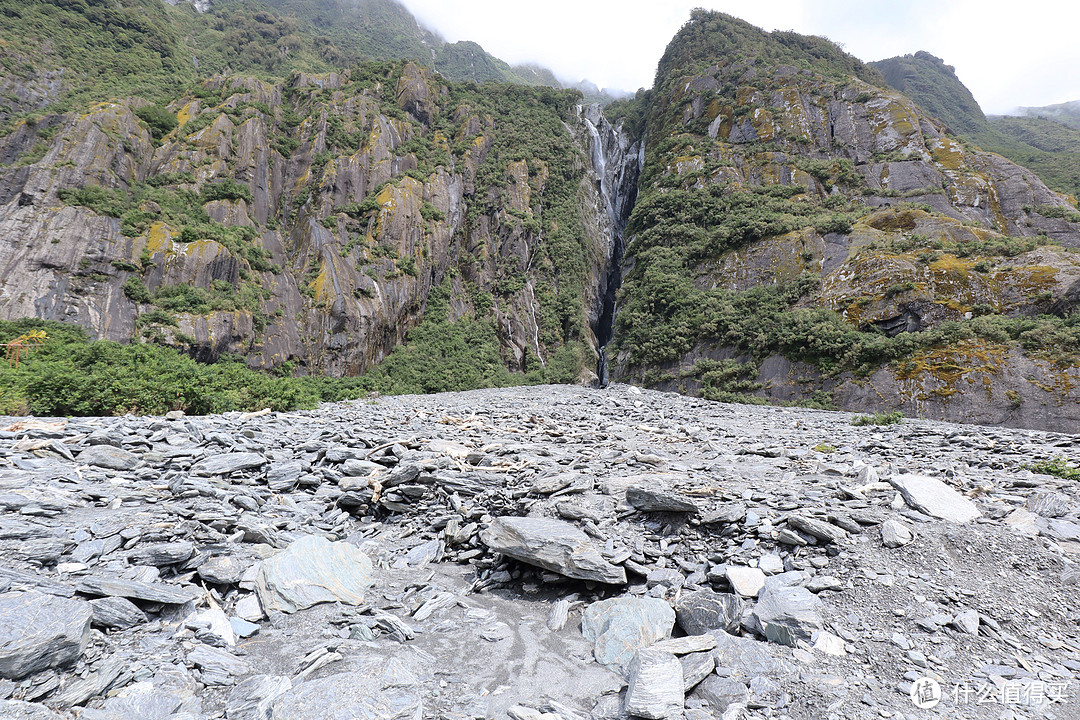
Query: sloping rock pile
<point>551,553</point>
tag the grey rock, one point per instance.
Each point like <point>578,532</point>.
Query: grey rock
<point>379,689</point>
<point>654,685</point>
<point>967,622</point>
<point>151,704</point>
<point>696,667</point>
<point>699,612</point>
<point>650,500</point>
<point>18,710</point>
<point>221,570</point>
<point>686,645</point>
<point>621,626</point>
<point>151,592</point>
<point>719,692</point>
<point>788,614</point>
<point>313,570</point>
<point>227,464</point>
<point>162,554</point>
<point>819,529</point>
<point>746,657</point>
<point>1063,530</point>
<point>217,666</point>
<point>116,613</point>
<point>895,534</point>
<point>745,581</point>
<point>551,544</point>
<point>933,497</point>
<point>253,698</point>
<point>39,631</point>
<point>1050,504</point>
<point>283,477</point>
<point>107,456</point>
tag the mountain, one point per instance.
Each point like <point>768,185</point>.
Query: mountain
<point>770,222</point>
<point>1064,113</point>
<point>803,231</point>
<point>101,49</point>
<point>1043,140</point>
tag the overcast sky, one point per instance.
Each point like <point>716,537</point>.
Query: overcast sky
<point>1026,56</point>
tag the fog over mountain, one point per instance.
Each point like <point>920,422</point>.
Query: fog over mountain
<point>1003,58</point>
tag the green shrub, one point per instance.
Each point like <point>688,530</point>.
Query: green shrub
<point>881,418</point>
<point>136,291</point>
<point>161,121</point>
<point>1058,467</point>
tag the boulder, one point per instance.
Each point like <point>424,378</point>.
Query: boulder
<point>650,500</point>
<point>551,544</point>
<point>619,627</point>
<point>787,614</point>
<point>313,570</point>
<point>654,685</point>
<point>933,497</point>
<point>699,612</point>
<point>39,631</point>
<point>107,456</point>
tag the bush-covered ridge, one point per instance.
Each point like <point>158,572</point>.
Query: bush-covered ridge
<point>749,181</point>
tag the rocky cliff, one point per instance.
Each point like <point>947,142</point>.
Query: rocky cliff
<point>785,182</point>
<point>305,224</point>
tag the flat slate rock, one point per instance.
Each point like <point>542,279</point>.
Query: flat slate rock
<point>151,592</point>
<point>116,613</point>
<point>107,456</point>
<point>227,464</point>
<point>17,710</point>
<point>649,500</point>
<point>381,689</point>
<point>39,631</point>
<point>619,627</point>
<point>313,570</point>
<point>933,497</point>
<point>162,554</point>
<point>551,544</point>
<point>654,685</point>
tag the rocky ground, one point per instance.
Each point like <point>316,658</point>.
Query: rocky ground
<point>552,553</point>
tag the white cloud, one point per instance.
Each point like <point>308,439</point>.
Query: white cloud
<point>1026,56</point>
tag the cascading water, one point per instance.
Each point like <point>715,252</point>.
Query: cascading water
<point>617,161</point>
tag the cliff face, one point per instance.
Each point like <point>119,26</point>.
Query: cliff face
<point>308,222</point>
<point>784,180</point>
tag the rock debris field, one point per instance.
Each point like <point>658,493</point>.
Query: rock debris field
<point>550,553</point>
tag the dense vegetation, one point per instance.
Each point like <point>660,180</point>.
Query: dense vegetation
<point>687,217</point>
<point>147,48</point>
<point>70,375</point>
<point>1048,147</point>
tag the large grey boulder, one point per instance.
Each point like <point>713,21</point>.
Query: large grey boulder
<point>551,544</point>
<point>39,631</point>
<point>619,627</point>
<point>151,592</point>
<point>380,689</point>
<point>18,710</point>
<point>227,463</point>
<point>107,456</point>
<point>699,612</point>
<point>787,614</point>
<point>654,500</point>
<point>933,497</point>
<point>747,657</point>
<point>313,570</point>
<point>655,685</point>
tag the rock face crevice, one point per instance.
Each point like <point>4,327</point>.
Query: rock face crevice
<point>616,159</point>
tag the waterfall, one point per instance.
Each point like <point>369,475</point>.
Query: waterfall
<point>617,161</point>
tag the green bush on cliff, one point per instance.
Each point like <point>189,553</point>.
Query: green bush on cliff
<point>71,375</point>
